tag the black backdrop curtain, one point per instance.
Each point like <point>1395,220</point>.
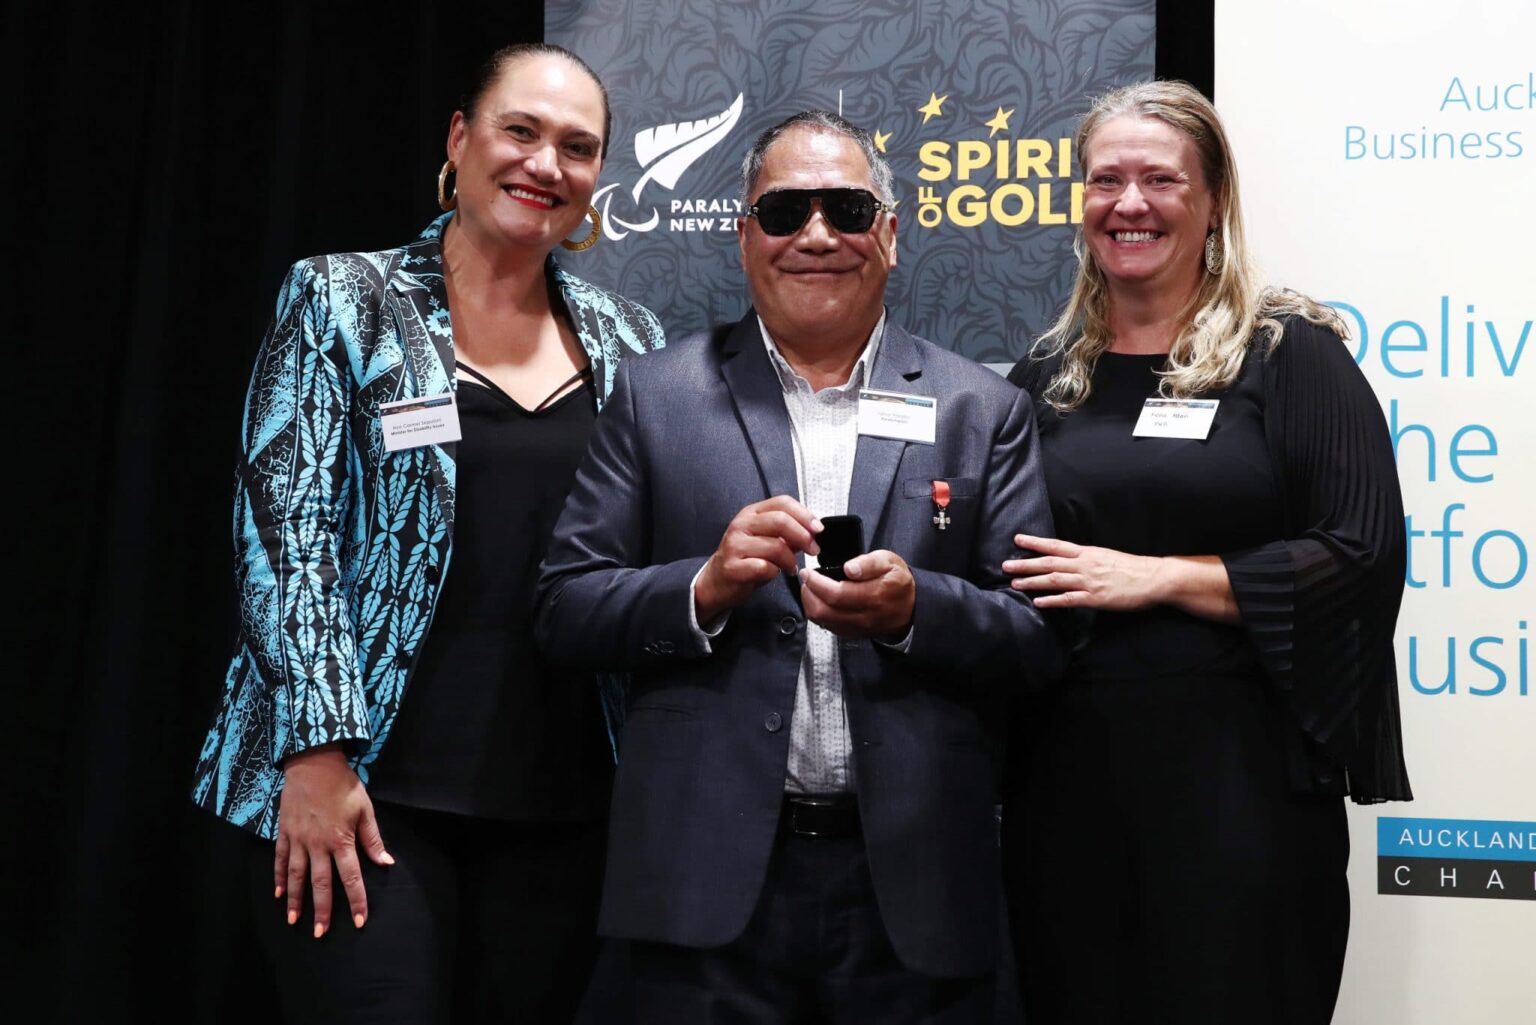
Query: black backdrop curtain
<point>165,163</point>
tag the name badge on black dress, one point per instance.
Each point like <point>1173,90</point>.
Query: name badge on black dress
<point>1176,418</point>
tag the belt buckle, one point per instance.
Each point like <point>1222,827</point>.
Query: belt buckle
<point>810,806</point>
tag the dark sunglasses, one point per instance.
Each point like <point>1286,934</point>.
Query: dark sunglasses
<point>785,211</point>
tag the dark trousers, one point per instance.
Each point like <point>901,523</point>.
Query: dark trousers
<point>815,951</point>
<point>477,921</point>
<point>1159,868</point>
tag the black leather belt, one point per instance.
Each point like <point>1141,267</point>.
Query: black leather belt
<point>824,816</point>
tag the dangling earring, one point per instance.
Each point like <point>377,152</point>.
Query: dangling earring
<point>445,199</point>
<point>591,240</point>
<point>1213,254</point>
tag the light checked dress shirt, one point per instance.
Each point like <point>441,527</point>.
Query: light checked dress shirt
<point>824,430</point>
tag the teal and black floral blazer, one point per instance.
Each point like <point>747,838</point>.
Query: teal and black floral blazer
<point>342,546</point>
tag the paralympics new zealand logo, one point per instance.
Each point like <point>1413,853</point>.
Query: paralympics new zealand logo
<point>664,153</point>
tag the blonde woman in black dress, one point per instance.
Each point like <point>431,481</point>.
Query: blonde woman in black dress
<point>1174,837</point>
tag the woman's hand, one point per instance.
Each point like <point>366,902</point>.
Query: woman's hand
<point>325,814</point>
<point>1067,575</point>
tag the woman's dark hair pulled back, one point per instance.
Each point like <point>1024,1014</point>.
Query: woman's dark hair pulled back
<point>490,72</point>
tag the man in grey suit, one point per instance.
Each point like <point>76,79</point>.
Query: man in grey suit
<point>802,823</point>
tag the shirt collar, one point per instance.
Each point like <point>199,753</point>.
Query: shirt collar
<point>857,377</point>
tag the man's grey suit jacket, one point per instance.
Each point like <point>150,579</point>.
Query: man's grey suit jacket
<point>694,433</point>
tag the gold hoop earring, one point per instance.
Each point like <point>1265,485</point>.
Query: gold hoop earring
<point>591,240</point>
<point>1213,254</point>
<point>444,199</point>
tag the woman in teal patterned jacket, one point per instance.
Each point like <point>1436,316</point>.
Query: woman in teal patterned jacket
<point>463,825</point>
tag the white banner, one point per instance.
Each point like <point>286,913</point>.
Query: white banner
<point>1388,158</point>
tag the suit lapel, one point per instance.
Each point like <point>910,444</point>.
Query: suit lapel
<point>898,367</point>
<point>759,399</point>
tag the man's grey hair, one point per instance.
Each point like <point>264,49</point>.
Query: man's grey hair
<point>818,121</point>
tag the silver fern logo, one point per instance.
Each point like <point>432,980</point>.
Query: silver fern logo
<point>664,153</point>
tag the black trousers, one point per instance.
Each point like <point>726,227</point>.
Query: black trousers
<point>815,951</point>
<point>1159,868</point>
<point>477,921</point>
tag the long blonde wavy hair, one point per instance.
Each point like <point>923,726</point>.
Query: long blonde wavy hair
<point>1230,306</point>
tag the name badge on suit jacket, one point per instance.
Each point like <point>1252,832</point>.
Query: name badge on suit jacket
<point>892,414</point>
<point>412,423</point>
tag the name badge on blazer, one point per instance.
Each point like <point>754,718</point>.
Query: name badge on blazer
<point>1176,418</point>
<point>892,414</point>
<point>412,423</point>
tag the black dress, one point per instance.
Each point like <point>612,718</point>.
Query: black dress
<point>1174,839</point>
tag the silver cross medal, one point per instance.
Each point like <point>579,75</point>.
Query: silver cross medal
<point>941,502</point>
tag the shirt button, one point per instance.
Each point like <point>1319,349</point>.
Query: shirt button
<point>433,574</point>
<point>787,625</point>
<point>402,659</point>
<point>774,722</point>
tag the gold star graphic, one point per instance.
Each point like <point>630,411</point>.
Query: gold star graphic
<point>999,122</point>
<point>934,107</point>
<point>881,138</point>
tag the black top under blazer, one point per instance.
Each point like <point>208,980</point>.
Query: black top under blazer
<point>693,434</point>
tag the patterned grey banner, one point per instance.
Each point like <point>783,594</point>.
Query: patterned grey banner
<point>974,102</point>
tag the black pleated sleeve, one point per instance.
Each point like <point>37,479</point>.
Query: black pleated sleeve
<point>1321,605</point>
